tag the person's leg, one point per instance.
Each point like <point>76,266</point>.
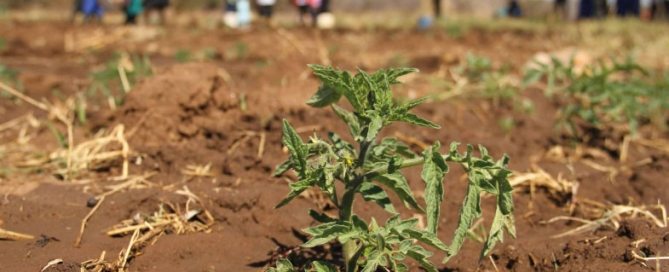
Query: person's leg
<point>147,15</point>
<point>163,16</point>
<point>314,16</point>
<point>325,6</point>
<point>621,6</point>
<point>635,8</point>
<point>164,5</point>
<point>130,19</point>
<point>303,10</point>
<point>76,10</point>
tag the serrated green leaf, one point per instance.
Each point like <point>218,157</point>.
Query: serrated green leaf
<point>282,168</point>
<point>375,126</point>
<point>371,192</point>
<point>406,107</point>
<point>374,260</point>
<point>341,80</point>
<point>325,96</point>
<point>428,238</point>
<point>505,197</point>
<point>298,150</point>
<point>296,189</point>
<point>496,233</point>
<point>399,226</point>
<point>532,76</point>
<point>415,120</point>
<point>320,266</point>
<point>470,211</point>
<point>422,257</point>
<point>324,233</point>
<point>392,74</point>
<point>478,177</point>
<point>352,264</point>
<point>398,184</point>
<point>391,147</point>
<point>320,217</point>
<point>434,169</point>
<point>282,265</point>
<point>349,118</point>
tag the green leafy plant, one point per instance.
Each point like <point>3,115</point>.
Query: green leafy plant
<point>11,77</point>
<point>605,93</point>
<point>3,44</point>
<point>183,55</point>
<point>373,168</point>
<point>476,76</point>
<point>109,80</point>
<point>239,51</point>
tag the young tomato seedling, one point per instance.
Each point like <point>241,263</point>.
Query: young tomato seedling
<point>372,168</point>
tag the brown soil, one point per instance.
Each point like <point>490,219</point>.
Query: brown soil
<point>195,113</point>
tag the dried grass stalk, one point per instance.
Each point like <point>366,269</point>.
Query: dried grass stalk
<point>14,236</point>
<point>96,153</point>
<point>611,218</point>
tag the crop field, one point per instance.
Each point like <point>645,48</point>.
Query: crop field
<point>512,146</point>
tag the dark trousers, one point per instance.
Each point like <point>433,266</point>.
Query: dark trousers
<point>130,19</point>
<point>587,9</point>
<point>627,7</point>
<point>265,11</point>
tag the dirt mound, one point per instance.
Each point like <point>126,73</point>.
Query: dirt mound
<point>183,111</point>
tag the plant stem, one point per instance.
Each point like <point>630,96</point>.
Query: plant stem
<point>346,208</point>
<point>345,214</point>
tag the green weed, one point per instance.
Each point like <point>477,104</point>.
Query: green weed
<point>183,55</point>
<point>118,75</point>
<point>239,51</point>
<point>606,93</point>
<point>372,168</point>
<point>10,77</point>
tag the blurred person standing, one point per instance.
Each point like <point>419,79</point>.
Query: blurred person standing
<point>266,8</point>
<point>436,8</point>
<point>156,6</point>
<point>302,9</point>
<point>514,9</point>
<point>646,12</point>
<point>560,9</point>
<point>92,10</point>
<point>587,9</point>
<point>315,10</point>
<point>664,3</point>
<point>243,13</point>
<point>627,8</point>
<point>132,9</point>
<point>76,9</point>
<point>230,13</point>
<point>320,14</point>
<point>325,6</point>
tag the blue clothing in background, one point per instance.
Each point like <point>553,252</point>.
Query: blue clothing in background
<point>243,12</point>
<point>587,9</point>
<point>92,8</point>
<point>514,9</point>
<point>627,7</point>
<point>134,7</point>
